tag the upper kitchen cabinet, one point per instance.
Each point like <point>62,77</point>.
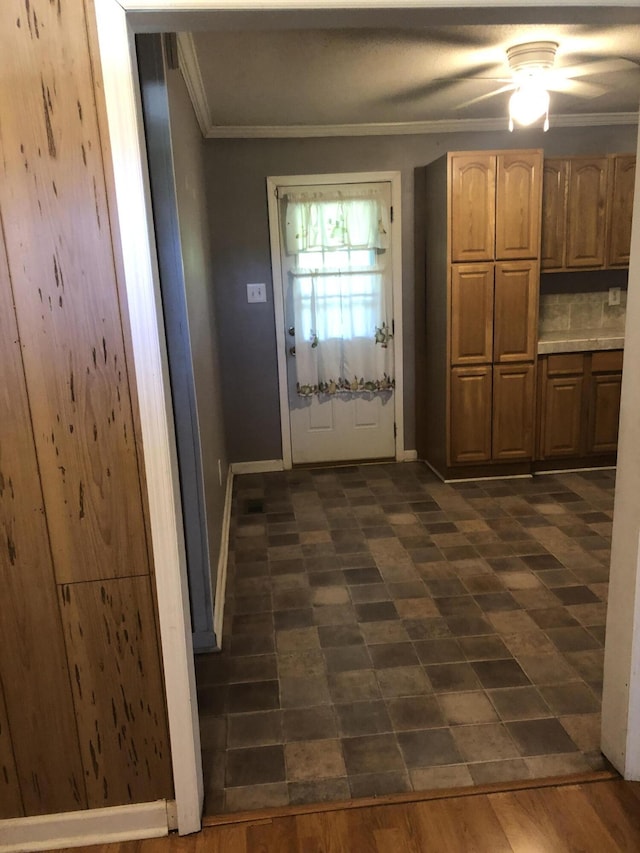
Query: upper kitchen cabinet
<point>473,207</point>
<point>495,205</point>
<point>554,213</point>
<point>518,196</point>
<point>620,210</point>
<point>586,212</point>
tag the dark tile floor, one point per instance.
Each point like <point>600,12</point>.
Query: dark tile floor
<point>386,632</point>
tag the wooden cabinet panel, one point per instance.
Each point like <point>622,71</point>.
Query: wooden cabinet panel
<point>604,413</point>
<point>471,313</point>
<point>470,415</point>
<point>607,361</point>
<point>562,416</point>
<point>56,224</point>
<point>518,200</point>
<point>621,210</point>
<point>10,797</point>
<point>33,666</point>
<point>472,213</point>
<point>586,211</point>
<point>111,644</point>
<point>554,214</point>
<point>515,311</point>
<point>513,411</point>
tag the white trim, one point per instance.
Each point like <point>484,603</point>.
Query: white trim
<point>294,5</point>
<point>135,224</point>
<point>263,466</point>
<point>393,178</point>
<point>409,456</point>
<point>190,68</point>
<point>84,828</point>
<point>221,581</point>
<point>403,128</point>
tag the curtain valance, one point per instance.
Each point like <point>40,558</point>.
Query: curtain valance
<point>335,219</point>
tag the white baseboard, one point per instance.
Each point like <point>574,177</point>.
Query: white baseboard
<point>261,466</point>
<point>223,557</point>
<point>84,828</point>
<point>408,456</point>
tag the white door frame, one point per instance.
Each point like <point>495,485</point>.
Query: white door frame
<point>133,218</point>
<point>278,293</point>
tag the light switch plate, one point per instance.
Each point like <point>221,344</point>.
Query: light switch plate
<point>256,293</point>
<point>614,296</point>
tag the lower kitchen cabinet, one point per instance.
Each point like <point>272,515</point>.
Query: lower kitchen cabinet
<point>579,404</point>
<point>491,413</point>
<point>513,389</point>
<point>604,402</point>
<point>470,414</point>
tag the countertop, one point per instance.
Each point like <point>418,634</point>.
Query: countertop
<point>579,340</point>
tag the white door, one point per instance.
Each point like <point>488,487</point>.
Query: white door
<point>335,252</point>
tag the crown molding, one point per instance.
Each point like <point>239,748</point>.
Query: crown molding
<point>410,127</point>
<point>190,68</point>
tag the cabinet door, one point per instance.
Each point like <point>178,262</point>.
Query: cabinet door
<point>471,313</point>
<point>620,210</point>
<point>554,214</point>
<point>515,311</point>
<point>518,199</point>
<point>472,213</point>
<point>604,413</point>
<point>586,212</point>
<point>562,416</point>
<point>470,415</point>
<point>513,430</point>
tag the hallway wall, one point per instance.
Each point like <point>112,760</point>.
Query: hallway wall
<point>200,284</point>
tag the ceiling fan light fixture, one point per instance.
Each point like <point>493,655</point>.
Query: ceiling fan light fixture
<point>529,102</point>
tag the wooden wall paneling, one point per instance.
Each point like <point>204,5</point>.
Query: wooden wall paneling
<point>10,796</point>
<point>33,666</point>
<point>52,183</point>
<point>117,686</point>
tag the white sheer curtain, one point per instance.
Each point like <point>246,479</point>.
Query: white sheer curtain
<point>341,306</point>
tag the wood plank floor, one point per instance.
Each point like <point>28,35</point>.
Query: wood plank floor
<point>594,816</point>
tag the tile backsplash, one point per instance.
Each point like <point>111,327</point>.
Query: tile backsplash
<point>575,311</point>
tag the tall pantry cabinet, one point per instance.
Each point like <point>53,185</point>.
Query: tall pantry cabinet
<point>478,235</point>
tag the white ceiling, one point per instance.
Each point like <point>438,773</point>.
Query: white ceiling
<point>273,81</point>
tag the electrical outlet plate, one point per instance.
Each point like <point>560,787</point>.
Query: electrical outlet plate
<point>256,293</point>
<point>614,296</point>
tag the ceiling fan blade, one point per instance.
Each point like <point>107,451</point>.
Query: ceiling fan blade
<point>437,84</point>
<point>598,66</point>
<point>508,88</point>
<point>578,87</point>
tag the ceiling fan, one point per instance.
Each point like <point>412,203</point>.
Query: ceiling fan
<point>533,76</point>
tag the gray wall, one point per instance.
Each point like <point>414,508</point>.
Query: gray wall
<point>236,172</point>
<point>199,279</point>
